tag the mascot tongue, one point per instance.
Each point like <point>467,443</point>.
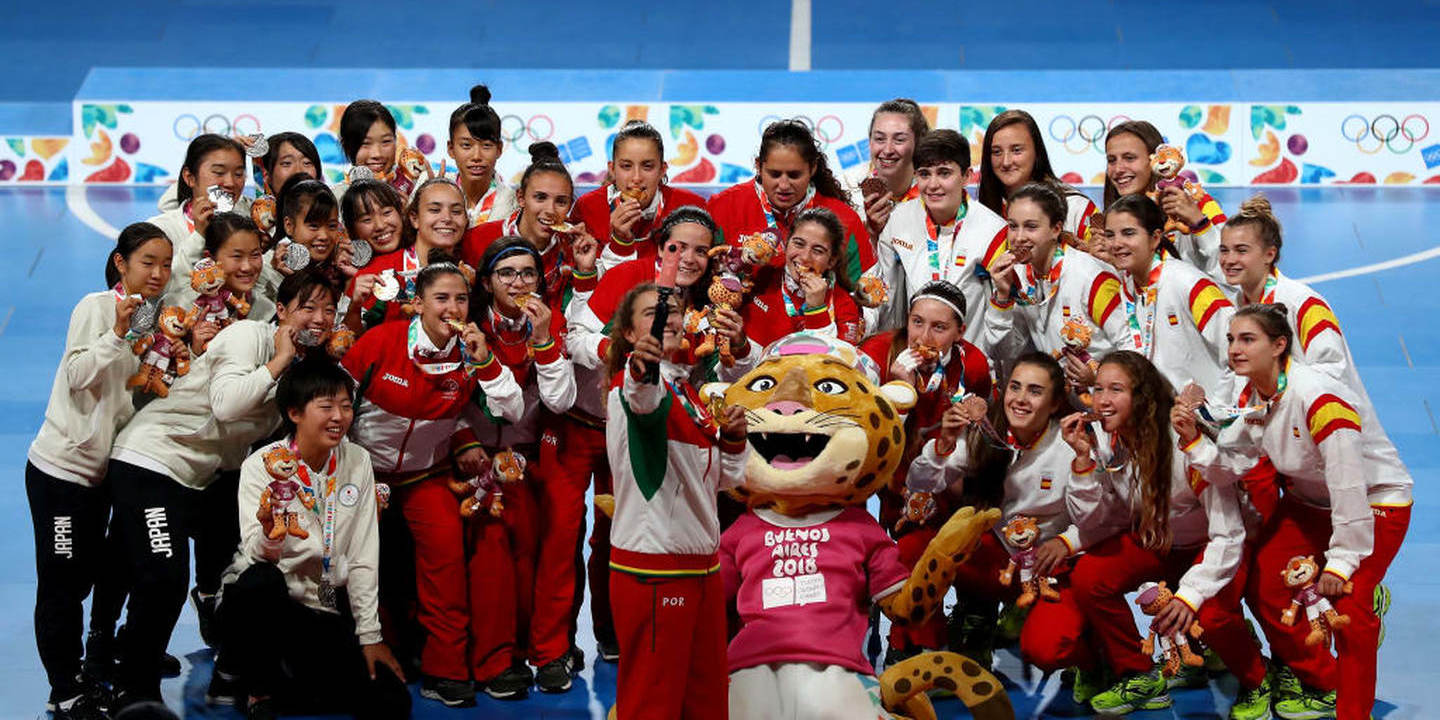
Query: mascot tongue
<point>784,462</point>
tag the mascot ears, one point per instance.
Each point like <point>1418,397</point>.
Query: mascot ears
<point>900,394</point>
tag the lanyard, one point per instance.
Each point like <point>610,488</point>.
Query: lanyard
<point>770,211</point>
<point>1267,295</point>
<point>328,517</point>
<point>412,348</point>
<point>932,243</point>
<point>1032,291</point>
<point>1222,415</point>
<point>698,412</point>
<point>409,269</point>
<point>1143,333</point>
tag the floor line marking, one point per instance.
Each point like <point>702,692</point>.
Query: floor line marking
<point>799,35</point>
<point>79,204</point>
<point>1391,264</point>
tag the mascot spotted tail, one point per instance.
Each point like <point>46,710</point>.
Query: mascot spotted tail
<point>804,565</point>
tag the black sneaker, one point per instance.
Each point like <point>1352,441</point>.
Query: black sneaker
<point>169,664</point>
<point>80,707</point>
<point>99,656</point>
<point>262,709</point>
<point>577,659</point>
<point>224,690</point>
<point>205,610</point>
<point>452,693</point>
<point>555,676</point>
<point>512,684</point>
<point>609,650</point>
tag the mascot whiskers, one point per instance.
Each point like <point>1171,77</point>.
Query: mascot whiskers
<point>806,562</point>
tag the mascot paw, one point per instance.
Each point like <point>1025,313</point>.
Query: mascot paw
<point>904,684</point>
<point>962,532</point>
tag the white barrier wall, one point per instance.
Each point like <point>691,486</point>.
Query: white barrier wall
<point>1225,144</point>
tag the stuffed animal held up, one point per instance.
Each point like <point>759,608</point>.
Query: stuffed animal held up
<point>1021,532</point>
<point>487,491</point>
<point>1174,648</point>
<point>159,350</point>
<point>283,494</point>
<point>1165,163</point>
<point>1300,574</point>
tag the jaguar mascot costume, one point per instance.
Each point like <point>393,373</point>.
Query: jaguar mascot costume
<point>804,564</point>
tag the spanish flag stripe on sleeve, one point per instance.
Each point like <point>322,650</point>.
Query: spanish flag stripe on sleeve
<point>1197,481</point>
<point>1212,210</point>
<point>997,247</point>
<point>1104,297</point>
<point>1314,318</point>
<point>1206,299</point>
<point>1329,414</point>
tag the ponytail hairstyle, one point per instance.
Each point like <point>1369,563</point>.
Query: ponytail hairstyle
<point>620,323</point>
<point>1048,199</point>
<point>477,116</point>
<point>835,233</point>
<point>301,144</point>
<point>942,146</point>
<point>438,264</point>
<point>303,199</point>
<point>416,196</point>
<point>1274,321</point>
<point>1151,455</point>
<point>638,130</point>
<point>503,248</point>
<point>357,119</point>
<point>364,197</point>
<point>992,191</point>
<point>797,136</point>
<point>131,238</point>
<point>991,464</point>
<point>1151,217</point>
<point>545,157</point>
<point>222,226</point>
<point>201,146</point>
<point>919,126</point>
<point>1148,135</point>
<point>1256,212</point>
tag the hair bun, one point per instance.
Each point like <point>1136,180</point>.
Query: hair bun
<point>1280,308</point>
<point>480,95</point>
<point>543,151</point>
<point>1256,205</point>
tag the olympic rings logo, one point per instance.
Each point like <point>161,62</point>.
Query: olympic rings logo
<point>828,130</point>
<point>539,128</point>
<point>188,125</point>
<point>1089,130</point>
<point>1384,130</point>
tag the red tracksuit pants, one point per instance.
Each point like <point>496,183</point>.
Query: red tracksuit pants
<point>1093,611</point>
<point>1300,529</point>
<point>672,638</point>
<point>501,568</point>
<point>570,455</point>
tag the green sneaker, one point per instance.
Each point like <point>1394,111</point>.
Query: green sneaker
<point>1012,619</point>
<point>1382,606</point>
<point>1140,691</point>
<point>1308,705</point>
<point>1188,677</point>
<point>1088,684</point>
<point>1286,686</point>
<point>1252,704</point>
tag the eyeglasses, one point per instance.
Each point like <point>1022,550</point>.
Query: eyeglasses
<point>511,274</point>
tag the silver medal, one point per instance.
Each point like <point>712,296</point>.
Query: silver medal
<point>361,172</point>
<point>309,337</point>
<point>259,146</point>
<point>361,253</point>
<point>224,201</point>
<point>387,287</point>
<point>297,256</point>
<point>142,322</point>
<point>326,592</point>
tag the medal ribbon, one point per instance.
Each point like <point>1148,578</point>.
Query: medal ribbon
<point>328,517</point>
<point>770,211</point>
<point>690,402</point>
<point>1031,291</point>
<point>932,244</point>
<point>412,348</point>
<point>1142,333</point>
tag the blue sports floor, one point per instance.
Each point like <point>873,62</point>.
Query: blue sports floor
<point>1389,314</point>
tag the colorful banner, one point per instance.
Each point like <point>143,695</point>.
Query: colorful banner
<point>715,144</point>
